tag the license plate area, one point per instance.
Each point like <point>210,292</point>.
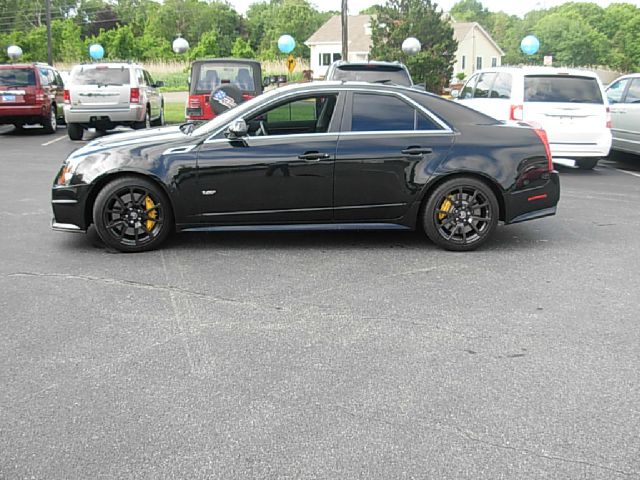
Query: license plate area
<point>5,98</point>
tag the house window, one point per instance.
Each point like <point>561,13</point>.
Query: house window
<point>325,59</point>
<point>336,57</point>
<point>478,63</point>
<point>494,61</point>
<point>464,62</point>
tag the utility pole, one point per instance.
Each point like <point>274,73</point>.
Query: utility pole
<point>345,31</point>
<point>49,49</point>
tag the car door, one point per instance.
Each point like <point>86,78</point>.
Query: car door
<point>625,117</point>
<point>153,95</point>
<point>388,148</point>
<point>281,171</point>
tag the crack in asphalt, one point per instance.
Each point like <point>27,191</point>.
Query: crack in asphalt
<point>148,286</point>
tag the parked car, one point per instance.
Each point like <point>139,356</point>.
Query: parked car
<point>31,94</point>
<point>569,104</point>
<point>624,97</point>
<point>394,73</point>
<point>105,95</point>
<point>313,156</point>
<point>215,85</point>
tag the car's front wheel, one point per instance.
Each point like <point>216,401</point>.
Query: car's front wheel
<point>461,214</point>
<point>132,214</point>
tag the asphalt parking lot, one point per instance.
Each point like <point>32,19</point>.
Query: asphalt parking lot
<point>320,355</point>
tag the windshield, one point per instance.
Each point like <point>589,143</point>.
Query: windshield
<point>373,73</point>
<point>240,110</point>
<point>206,77</point>
<point>101,76</point>
<point>561,89</point>
<point>17,77</point>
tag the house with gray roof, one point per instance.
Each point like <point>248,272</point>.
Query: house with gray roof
<point>476,48</point>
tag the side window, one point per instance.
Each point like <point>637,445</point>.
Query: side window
<point>484,85</point>
<point>633,94</point>
<point>501,86</point>
<point>140,77</point>
<point>398,115</point>
<point>302,115</point>
<point>44,79</point>
<point>467,90</point>
<point>616,90</point>
<point>147,78</point>
<point>425,123</point>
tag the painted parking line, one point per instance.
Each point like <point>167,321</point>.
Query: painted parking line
<point>635,174</point>
<point>54,140</point>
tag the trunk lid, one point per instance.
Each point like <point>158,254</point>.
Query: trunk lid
<point>100,87</point>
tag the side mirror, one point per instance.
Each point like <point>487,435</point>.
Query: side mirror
<point>237,129</point>
<point>159,84</point>
<point>455,93</point>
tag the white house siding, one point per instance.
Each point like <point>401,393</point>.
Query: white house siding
<point>474,45</point>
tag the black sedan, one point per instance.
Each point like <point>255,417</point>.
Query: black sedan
<point>325,155</point>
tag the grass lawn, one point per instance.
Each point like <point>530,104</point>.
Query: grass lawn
<point>174,112</point>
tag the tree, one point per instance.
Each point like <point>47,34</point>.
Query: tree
<point>400,19</point>
<point>471,11</point>
<point>207,47</point>
<point>242,49</point>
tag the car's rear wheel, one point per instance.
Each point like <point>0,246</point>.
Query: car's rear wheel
<point>461,214</point>
<point>75,131</point>
<point>132,214</point>
<point>146,123</point>
<point>50,122</point>
<point>587,163</point>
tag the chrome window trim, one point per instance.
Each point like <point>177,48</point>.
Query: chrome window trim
<point>360,89</point>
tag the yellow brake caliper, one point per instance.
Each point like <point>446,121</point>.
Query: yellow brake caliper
<point>445,207</point>
<point>153,214</point>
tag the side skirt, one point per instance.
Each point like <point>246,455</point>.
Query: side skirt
<point>297,227</point>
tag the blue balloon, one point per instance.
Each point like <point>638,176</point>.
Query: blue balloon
<point>530,44</point>
<point>96,51</point>
<point>286,44</point>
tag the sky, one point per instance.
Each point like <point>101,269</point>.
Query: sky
<point>508,6</point>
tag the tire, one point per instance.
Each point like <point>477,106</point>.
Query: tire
<point>75,131</point>
<point>587,163</point>
<point>461,214</point>
<point>146,123</point>
<point>123,214</point>
<point>50,123</point>
<point>159,122</point>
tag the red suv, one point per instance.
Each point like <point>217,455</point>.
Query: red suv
<point>31,94</point>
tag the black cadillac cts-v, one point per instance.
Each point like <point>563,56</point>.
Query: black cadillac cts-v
<point>322,155</point>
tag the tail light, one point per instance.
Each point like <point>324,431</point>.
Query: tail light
<point>194,102</point>
<point>542,135</point>
<point>134,97</point>
<point>515,113</point>
<point>608,124</point>
<point>40,96</point>
<point>67,96</point>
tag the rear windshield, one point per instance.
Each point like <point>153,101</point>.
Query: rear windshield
<point>207,77</point>
<point>561,88</point>
<point>373,73</point>
<point>101,76</point>
<point>17,77</point>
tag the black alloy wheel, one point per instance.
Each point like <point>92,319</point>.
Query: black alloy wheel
<point>132,214</point>
<point>461,214</point>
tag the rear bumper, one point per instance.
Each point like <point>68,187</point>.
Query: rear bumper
<point>599,148</point>
<point>92,117</point>
<point>530,204</point>
<point>23,113</point>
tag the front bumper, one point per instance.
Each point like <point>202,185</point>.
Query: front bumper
<point>92,117</point>
<point>68,204</point>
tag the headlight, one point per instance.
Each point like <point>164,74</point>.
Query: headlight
<point>65,175</point>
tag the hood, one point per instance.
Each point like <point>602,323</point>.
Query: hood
<point>130,140</point>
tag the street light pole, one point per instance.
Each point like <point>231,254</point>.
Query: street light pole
<point>49,49</point>
<point>345,31</point>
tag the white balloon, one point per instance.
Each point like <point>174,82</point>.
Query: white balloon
<point>14,52</point>
<point>411,46</point>
<point>180,45</point>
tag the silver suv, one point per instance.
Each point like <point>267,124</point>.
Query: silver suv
<point>373,72</point>
<point>105,95</point>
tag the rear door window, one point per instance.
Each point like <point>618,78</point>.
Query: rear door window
<point>484,85</point>
<point>381,113</point>
<point>561,89</point>
<point>101,76</point>
<point>502,86</point>
<point>17,77</point>
<point>633,94</point>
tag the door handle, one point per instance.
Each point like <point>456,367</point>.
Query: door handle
<point>314,156</point>
<point>417,151</point>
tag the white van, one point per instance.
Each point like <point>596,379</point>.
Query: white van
<point>569,104</point>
